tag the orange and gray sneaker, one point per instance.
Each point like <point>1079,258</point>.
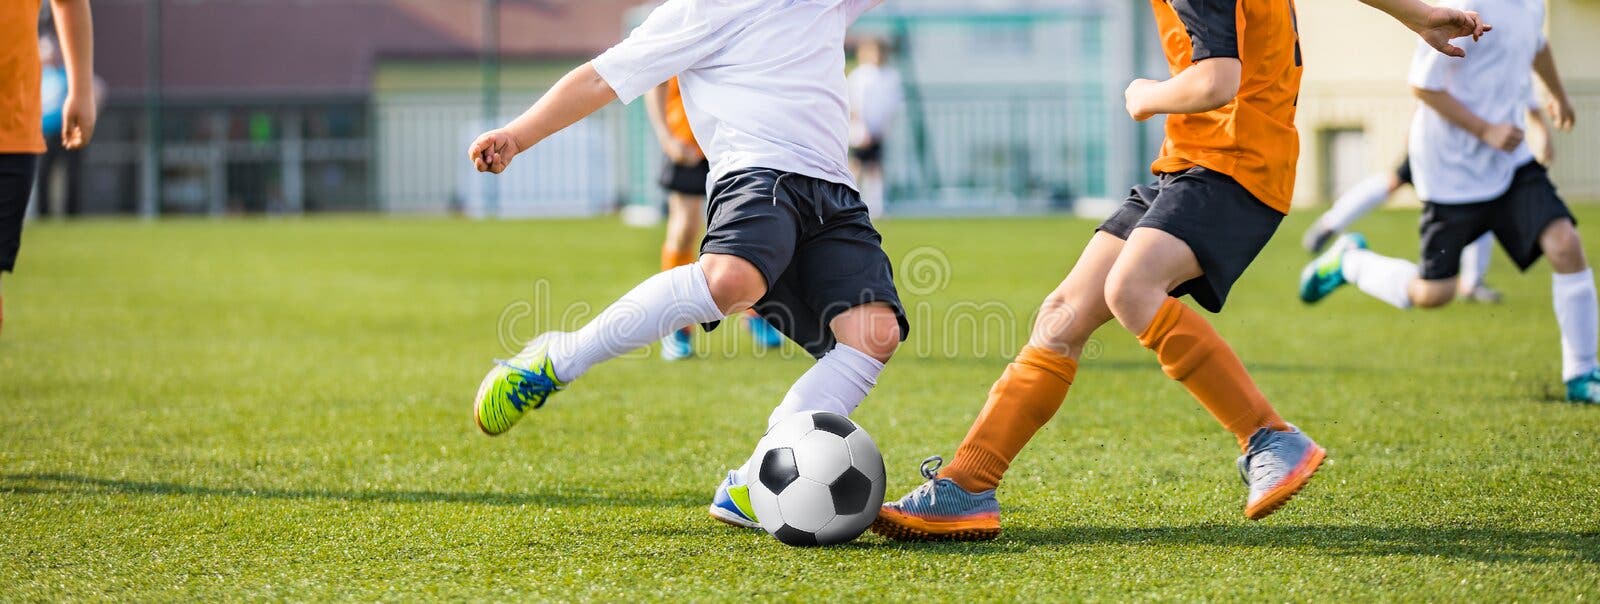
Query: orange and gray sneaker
<point>940,510</point>
<point>1276,465</point>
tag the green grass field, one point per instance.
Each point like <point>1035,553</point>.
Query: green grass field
<point>262,409</point>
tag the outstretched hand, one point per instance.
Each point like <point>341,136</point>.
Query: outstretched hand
<point>1441,25</point>
<point>493,150</point>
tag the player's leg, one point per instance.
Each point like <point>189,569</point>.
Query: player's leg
<point>1360,200</point>
<point>1474,266</point>
<point>1447,229</point>
<point>685,219</point>
<point>958,502</point>
<point>837,300</point>
<point>1278,459</point>
<point>748,235</point>
<point>1532,221</point>
<point>16,185</point>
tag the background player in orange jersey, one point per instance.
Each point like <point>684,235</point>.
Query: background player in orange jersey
<point>1224,179</point>
<point>21,137</point>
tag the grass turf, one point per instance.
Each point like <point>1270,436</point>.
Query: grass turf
<point>280,410</point>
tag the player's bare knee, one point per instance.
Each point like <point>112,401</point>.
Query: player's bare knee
<point>1059,328</point>
<point>1562,245</point>
<point>1433,293</point>
<point>873,329</point>
<point>735,283</point>
<point>1132,298</point>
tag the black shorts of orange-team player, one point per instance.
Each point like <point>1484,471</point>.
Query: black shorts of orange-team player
<point>1225,177</point>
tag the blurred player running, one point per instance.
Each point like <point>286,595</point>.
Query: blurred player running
<point>684,178</point>
<point>1476,175</point>
<point>1372,192</point>
<point>764,87</point>
<point>21,138</point>
<point>1225,176</point>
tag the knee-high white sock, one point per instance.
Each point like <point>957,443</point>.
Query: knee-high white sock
<point>1576,313</point>
<point>661,305</point>
<point>1382,277</point>
<point>1362,198</point>
<point>1475,262</point>
<point>838,383</point>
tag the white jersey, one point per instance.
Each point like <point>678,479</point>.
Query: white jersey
<point>1450,165</point>
<point>763,80</point>
<point>875,96</point>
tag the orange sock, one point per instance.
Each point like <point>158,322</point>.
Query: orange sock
<point>671,259</point>
<point>1191,352</point>
<point>1025,397</point>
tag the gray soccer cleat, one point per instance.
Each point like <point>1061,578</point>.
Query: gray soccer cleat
<point>1275,466</point>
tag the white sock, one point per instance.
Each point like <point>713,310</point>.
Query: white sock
<point>1362,198</point>
<point>838,383</point>
<point>1475,262</point>
<point>1576,313</point>
<point>1382,277</point>
<point>661,305</point>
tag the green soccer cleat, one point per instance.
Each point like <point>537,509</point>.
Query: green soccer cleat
<point>1326,273</point>
<point>514,386</point>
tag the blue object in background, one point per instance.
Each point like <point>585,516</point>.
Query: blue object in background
<point>53,96</point>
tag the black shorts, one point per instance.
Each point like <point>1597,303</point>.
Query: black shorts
<point>1516,218</point>
<point>812,241</point>
<point>685,180</point>
<point>16,185</point>
<point>1402,174</point>
<point>870,153</point>
<point>1221,222</point>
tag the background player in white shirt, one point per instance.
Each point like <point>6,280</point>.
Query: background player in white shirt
<point>875,101</point>
<point>1475,174</point>
<point>1372,192</point>
<point>764,88</point>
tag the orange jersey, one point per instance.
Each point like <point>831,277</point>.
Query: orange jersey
<point>677,118</point>
<point>20,118</point>
<point>1251,139</point>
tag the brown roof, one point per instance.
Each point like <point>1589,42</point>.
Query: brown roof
<point>288,48</point>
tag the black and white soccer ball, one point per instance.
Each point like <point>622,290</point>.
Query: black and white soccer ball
<point>818,479</point>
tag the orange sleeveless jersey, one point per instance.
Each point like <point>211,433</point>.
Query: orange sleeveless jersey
<point>1252,138</point>
<point>20,130</point>
<point>676,116</point>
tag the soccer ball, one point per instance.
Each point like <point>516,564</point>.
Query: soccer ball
<point>818,479</point>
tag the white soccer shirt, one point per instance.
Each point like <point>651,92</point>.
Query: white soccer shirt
<point>876,96</point>
<point>1449,164</point>
<point>763,80</point>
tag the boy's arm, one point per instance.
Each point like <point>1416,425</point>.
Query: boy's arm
<point>1504,137</point>
<point>1212,78</point>
<point>1202,87</point>
<point>1436,25</point>
<point>1561,113</point>
<point>75,28</point>
<point>1538,122</point>
<point>577,95</point>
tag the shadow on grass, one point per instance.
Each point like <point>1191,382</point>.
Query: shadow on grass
<point>46,483</point>
<point>1485,544</point>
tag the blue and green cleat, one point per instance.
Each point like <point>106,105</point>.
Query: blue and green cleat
<point>1326,272</point>
<point>731,503</point>
<point>940,510</point>
<point>1584,388</point>
<point>514,386</point>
